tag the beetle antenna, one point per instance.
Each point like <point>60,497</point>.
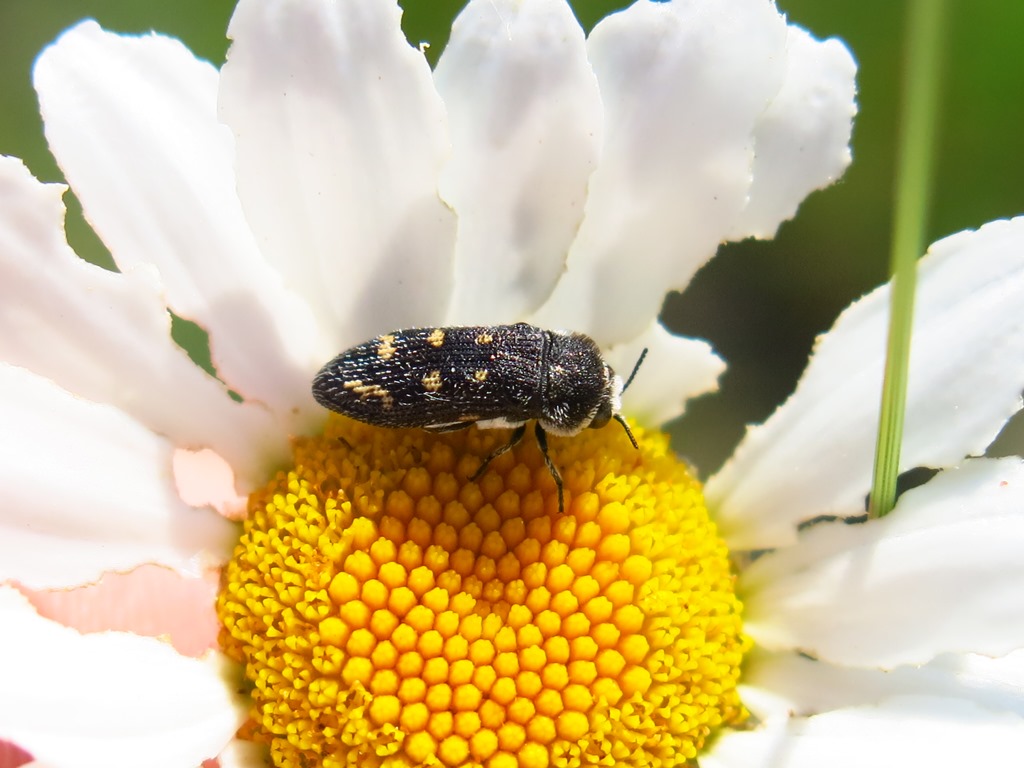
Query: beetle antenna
<point>633,376</point>
<point>619,418</point>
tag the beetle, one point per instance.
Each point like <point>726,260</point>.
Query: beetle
<point>444,379</point>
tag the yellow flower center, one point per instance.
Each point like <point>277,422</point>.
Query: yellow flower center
<point>390,612</point>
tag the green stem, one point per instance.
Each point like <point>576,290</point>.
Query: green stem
<point>913,187</point>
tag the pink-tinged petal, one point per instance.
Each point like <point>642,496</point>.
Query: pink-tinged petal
<point>244,754</point>
<point>87,489</point>
<point>106,336</point>
<point>676,368</point>
<point>340,138</point>
<point>133,124</point>
<point>110,699</point>
<point>802,141</point>
<point>900,732</point>
<point>814,455</point>
<point>685,86</point>
<point>204,479</point>
<point>525,117</point>
<point>780,684</point>
<point>13,756</point>
<point>149,601</point>
<point>942,574</point>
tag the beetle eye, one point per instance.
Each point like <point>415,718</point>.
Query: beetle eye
<point>603,415</point>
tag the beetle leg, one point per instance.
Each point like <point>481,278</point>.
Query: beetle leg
<point>542,441</point>
<point>517,435</point>
<point>454,427</point>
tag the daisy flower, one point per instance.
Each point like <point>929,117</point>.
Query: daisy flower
<point>380,607</point>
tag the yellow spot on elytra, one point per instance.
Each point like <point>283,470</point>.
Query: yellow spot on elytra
<point>436,337</point>
<point>480,375</point>
<point>371,390</point>
<point>484,338</point>
<point>432,381</point>
<point>386,349</point>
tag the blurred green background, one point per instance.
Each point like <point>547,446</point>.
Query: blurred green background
<point>759,303</point>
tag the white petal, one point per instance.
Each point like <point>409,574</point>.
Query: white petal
<point>341,137</point>
<point>999,680</point>
<point>684,85</point>
<point>802,139</point>
<point>943,573</point>
<point>908,731</point>
<point>775,684</point>
<point>755,748</point>
<point>525,118</point>
<point>109,338</point>
<point>133,124</point>
<point>87,489</point>
<point>814,455</point>
<point>111,699</point>
<point>676,368</point>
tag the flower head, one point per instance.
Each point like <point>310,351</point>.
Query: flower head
<point>385,607</point>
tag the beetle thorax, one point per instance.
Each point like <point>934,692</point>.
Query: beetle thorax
<point>579,386</point>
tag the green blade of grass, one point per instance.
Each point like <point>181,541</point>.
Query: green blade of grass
<point>922,76</point>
